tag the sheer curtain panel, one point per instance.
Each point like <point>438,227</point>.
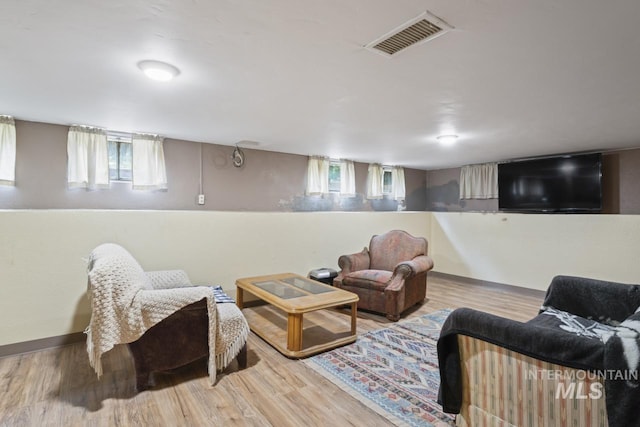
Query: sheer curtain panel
<point>347,178</point>
<point>479,181</point>
<point>148,169</point>
<point>397,183</point>
<point>374,181</point>
<point>7,151</point>
<point>87,158</point>
<point>318,176</point>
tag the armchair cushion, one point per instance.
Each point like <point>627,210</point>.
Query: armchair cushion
<point>374,279</point>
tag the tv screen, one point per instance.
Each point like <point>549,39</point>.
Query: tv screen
<point>554,184</point>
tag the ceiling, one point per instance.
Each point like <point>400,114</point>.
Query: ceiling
<point>514,78</point>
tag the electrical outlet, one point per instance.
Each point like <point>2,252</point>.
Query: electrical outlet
<point>201,199</point>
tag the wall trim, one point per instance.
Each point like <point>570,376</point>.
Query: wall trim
<point>41,344</point>
<point>493,285</point>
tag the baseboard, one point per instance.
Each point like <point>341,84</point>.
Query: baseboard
<point>493,285</point>
<point>41,344</point>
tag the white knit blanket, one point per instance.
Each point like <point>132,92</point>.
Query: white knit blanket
<point>126,302</point>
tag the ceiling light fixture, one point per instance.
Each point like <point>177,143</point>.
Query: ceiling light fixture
<point>157,70</point>
<point>447,139</point>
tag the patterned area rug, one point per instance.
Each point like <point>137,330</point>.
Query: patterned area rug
<point>393,371</point>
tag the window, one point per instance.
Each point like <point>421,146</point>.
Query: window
<point>334,177</point>
<point>387,181</point>
<point>120,158</point>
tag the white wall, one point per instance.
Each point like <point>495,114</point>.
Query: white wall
<point>43,271</point>
<point>529,250</point>
<point>43,268</point>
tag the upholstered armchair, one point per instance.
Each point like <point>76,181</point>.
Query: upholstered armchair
<point>166,321</point>
<point>575,363</point>
<point>390,276</point>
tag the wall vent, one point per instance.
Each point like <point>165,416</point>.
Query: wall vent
<point>420,29</point>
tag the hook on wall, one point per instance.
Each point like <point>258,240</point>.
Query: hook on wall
<point>238,157</point>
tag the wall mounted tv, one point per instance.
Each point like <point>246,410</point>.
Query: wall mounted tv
<point>563,184</point>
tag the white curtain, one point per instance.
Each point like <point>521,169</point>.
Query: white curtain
<point>318,176</point>
<point>347,178</point>
<point>479,181</point>
<point>87,158</point>
<point>148,169</point>
<point>374,181</point>
<point>7,151</point>
<point>397,183</point>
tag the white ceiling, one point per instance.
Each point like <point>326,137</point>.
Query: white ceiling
<point>515,78</point>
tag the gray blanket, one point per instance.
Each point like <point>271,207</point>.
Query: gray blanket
<point>584,324</point>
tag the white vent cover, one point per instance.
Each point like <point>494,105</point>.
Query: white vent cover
<point>418,30</point>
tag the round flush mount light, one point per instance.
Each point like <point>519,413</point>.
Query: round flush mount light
<point>158,70</point>
<point>447,139</point>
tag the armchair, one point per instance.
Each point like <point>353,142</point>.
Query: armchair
<point>166,321</point>
<point>390,276</point>
<point>575,363</point>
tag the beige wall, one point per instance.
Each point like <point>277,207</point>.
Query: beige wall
<point>42,252</point>
<point>43,268</point>
<point>528,250</point>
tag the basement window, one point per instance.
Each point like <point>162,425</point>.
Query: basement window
<point>387,181</point>
<point>120,156</point>
<point>334,177</point>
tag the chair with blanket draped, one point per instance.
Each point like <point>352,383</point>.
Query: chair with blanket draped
<point>166,321</point>
<point>575,363</point>
<point>390,276</point>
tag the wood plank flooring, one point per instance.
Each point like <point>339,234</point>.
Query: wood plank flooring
<point>57,387</point>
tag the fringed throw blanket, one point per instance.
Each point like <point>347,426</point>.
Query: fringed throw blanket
<point>126,302</point>
<point>584,324</point>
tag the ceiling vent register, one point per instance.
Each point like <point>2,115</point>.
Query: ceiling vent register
<point>420,29</point>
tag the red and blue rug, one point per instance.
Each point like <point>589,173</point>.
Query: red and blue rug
<point>393,371</point>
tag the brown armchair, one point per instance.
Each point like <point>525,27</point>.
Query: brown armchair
<point>390,276</point>
<point>164,318</point>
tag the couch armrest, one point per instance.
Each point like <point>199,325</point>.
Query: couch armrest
<point>167,279</point>
<point>593,299</point>
<point>354,262</point>
<point>418,265</point>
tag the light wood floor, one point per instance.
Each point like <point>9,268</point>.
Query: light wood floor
<point>57,387</point>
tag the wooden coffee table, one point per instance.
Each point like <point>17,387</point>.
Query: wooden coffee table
<point>288,296</point>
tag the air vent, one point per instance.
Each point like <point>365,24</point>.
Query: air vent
<point>418,30</point>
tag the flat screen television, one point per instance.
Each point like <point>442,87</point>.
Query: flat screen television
<point>562,184</point>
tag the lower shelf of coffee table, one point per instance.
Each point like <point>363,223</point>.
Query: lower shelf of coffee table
<point>322,329</point>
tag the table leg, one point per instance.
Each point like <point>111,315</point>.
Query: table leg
<point>294,332</point>
<point>239,297</point>
<point>354,317</point>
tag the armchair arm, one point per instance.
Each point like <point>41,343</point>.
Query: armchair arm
<point>166,279</point>
<point>418,265</point>
<point>354,262</point>
<point>542,343</point>
<point>595,299</point>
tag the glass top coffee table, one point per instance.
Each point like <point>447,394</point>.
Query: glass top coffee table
<point>287,297</point>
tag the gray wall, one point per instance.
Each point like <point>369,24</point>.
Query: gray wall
<point>268,181</point>
<point>443,194</point>
<point>620,191</point>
